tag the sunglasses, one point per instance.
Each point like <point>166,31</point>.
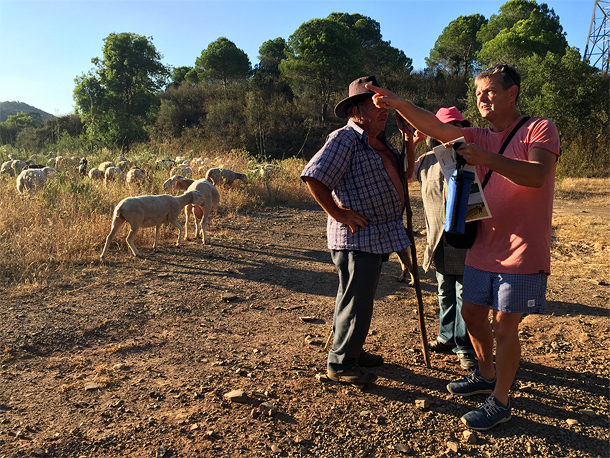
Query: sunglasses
<point>505,69</point>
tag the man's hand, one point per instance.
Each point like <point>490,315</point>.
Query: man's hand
<point>351,218</point>
<point>384,98</point>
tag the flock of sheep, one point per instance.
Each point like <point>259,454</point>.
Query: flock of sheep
<point>200,196</point>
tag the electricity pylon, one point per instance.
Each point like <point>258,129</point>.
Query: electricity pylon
<point>598,43</point>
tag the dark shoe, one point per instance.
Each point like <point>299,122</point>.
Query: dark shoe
<point>468,361</point>
<point>367,359</point>
<point>355,376</point>
<point>440,347</point>
<point>473,384</point>
<point>487,416</point>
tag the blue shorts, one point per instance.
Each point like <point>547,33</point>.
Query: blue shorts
<point>507,293</point>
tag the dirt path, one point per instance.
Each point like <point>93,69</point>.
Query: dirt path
<point>134,359</point>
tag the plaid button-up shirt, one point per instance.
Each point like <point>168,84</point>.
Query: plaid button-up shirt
<point>358,180</point>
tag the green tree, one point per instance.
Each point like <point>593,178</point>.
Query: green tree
<point>223,61</point>
<point>14,124</point>
<point>117,100</point>
<point>178,75</point>
<point>575,96</point>
<point>380,58</point>
<point>522,28</point>
<point>270,54</point>
<point>456,48</point>
<point>322,55</point>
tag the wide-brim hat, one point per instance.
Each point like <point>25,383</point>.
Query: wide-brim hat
<point>451,114</point>
<point>357,92</point>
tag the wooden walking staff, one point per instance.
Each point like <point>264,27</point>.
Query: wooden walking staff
<point>420,302</point>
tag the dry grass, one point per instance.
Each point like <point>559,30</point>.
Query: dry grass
<point>66,224</point>
<point>581,242</point>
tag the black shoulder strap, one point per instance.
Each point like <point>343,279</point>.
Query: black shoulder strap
<point>504,145</point>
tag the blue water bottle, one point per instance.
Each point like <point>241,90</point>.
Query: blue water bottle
<point>457,200</point>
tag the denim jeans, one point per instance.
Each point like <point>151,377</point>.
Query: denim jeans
<point>452,328</point>
<point>358,279</point>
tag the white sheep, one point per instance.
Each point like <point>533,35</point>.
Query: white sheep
<point>218,175</point>
<point>18,166</point>
<point>135,177</point>
<point>7,168</point>
<point>124,165</point>
<point>182,170</point>
<point>96,174</point>
<point>112,174</point>
<point>104,165</point>
<point>30,180</point>
<point>149,211</point>
<point>200,213</point>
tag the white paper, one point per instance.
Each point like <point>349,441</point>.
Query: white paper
<point>477,205</point>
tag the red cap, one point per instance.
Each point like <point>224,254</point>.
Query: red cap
<point>450,114</point>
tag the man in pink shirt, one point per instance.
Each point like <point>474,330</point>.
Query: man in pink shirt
<point>508,264</point>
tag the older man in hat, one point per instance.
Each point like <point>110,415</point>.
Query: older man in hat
<point>357,178</point>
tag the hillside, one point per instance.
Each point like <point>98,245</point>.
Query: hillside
<point>12,108</point>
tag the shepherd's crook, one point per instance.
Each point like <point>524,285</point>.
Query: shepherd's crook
<point>420,302</point>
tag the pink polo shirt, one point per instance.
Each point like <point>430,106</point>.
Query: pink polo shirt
<point>517,238</point>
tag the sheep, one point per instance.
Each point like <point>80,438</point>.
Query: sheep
<point>149,211</point>
<point>82,167</point>
<point>182,170</point>
<point>96,174</point>
<point>135,177</point>
<point>18,166</point>
<point>200,213</point>
<point>7,168</point>
<point>406,264</point>
<point>104,165</point>
<point>124,165</point>
<point>217,175</point>
<point>164,163</point>
<point>112,174</point>
<point>30,180</point>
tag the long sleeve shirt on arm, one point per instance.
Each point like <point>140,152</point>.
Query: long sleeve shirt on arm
<point>357,178</point>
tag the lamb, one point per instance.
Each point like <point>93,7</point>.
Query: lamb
<point>30,180</point>
<point>200,213</point>
<point>149,211</point>
<point>216,175</point>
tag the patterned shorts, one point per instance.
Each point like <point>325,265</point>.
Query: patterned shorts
<point>508,293</point>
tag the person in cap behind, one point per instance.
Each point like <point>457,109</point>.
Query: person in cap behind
<point>357,179</point>
<point>448,261</point>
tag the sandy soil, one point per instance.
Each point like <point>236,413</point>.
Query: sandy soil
<point>135,358</point>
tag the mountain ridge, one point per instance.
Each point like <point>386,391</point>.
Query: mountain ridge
<point>12,108</point>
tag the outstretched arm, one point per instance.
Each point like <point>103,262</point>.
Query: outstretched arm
<point>421,119</point>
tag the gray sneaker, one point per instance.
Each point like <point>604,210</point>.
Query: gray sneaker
<point>473,384</point>
<point>488,415</point>
<point>468,361</point>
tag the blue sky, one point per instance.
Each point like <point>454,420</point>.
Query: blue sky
<point>45,44</point>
